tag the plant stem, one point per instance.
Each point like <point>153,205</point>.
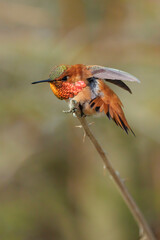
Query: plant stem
<point>137,214</point>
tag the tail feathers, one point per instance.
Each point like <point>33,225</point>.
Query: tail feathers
<point>113,110</point>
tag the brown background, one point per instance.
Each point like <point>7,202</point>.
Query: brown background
<point>52,185</point>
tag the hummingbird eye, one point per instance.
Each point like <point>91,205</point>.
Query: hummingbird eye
<point>65,78</point>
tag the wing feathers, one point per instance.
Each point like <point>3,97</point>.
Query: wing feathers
<point>112,75</point>
<point>119,83</point>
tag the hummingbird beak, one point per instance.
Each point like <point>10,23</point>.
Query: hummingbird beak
<point>48,80</point>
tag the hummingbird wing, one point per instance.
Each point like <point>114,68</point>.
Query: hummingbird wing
<point>112,75</point>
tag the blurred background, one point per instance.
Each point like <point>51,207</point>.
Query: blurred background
<point>52,185</point>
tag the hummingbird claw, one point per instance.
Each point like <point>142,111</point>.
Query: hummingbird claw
<point>66,111</point>
<point>70,110</point>
<point>72,107</point>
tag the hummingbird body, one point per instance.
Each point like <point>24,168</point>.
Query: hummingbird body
<point>85,85</point>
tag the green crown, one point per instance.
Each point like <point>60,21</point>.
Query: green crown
<point>57,71</point>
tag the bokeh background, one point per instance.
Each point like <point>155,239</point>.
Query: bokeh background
<point>52,185</point>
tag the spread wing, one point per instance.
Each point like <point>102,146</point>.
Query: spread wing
<point>112,75</point>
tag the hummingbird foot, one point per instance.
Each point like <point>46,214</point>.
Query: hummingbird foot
<point>75,108</point>
<point>72,107</point>
<point>73,111</point>
<point>69,111</point>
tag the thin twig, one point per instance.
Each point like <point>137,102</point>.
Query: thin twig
<point>137,214</point>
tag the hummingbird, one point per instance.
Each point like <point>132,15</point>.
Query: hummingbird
<point>86,85</point>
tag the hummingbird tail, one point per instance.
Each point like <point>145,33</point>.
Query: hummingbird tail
<point>112,107</point>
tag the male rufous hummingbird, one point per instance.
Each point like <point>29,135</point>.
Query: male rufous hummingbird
<point>85,85</point>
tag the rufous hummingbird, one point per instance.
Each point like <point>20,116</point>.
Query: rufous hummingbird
<point>85,85</point>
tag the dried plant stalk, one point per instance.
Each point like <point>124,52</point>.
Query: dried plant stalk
<point>144,228</point>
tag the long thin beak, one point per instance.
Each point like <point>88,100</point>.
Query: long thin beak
<point>48,80</point>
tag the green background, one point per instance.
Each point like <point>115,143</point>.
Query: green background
<point>52,185</point>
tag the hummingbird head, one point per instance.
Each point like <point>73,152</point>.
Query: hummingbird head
<point>62,82</point>
<point>56,78</point>
<point>55,75</point>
